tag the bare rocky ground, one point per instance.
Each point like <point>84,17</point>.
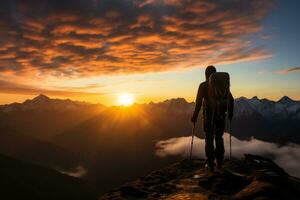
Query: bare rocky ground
<point>253,177</point>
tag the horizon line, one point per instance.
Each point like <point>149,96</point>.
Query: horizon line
<point>137,103</point>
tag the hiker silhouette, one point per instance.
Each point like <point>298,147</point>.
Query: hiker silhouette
<point>217,103</point>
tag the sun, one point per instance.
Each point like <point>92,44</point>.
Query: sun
<point>126,99</point>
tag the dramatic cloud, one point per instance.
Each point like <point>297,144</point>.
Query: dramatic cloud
<point>93,37</point>
<point>13,88</point>
<point>289,70</point>
<point>287,156</point>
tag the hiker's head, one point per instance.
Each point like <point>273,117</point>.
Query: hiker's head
<point>209,70</point>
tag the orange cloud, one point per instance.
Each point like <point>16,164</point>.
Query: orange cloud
<point>289,70</point>
<point>93,37</point>
<point>13,88</point>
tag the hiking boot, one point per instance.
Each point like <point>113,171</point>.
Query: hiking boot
<point>219,165</point>
<point>209,168</point>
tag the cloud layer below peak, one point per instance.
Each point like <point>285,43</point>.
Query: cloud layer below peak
<point>287,156</point>
<point>93,37</point>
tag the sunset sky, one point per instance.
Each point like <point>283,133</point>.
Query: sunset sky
<point>95,50</point>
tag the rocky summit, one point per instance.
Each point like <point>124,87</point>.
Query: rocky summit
<point>252,177</point>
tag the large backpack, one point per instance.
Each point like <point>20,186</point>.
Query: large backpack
<point>218,92</point>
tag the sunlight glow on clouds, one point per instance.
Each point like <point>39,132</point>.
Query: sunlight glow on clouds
<point>71,38</point>
<point>287,156</point>
<point>289,70</point>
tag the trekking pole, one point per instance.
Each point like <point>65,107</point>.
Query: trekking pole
<point>230,152</point>
<point>193,132</point>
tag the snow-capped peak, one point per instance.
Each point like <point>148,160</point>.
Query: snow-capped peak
<point>254,100</point>
<point>286,100</point>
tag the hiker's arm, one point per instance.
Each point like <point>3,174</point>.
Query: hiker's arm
<point>198,104</point>
<point>231,106</point>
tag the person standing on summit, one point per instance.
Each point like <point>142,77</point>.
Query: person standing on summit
<point>216,99</point>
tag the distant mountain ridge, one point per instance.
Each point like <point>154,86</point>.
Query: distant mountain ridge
<point>255,111</point>
<point>283,108</point>
<point>43,117</point>
<point>264,119</point>
<point>44,102</point>
<point>243,105</point>
<point>95,135</point>
<point>26,129</point>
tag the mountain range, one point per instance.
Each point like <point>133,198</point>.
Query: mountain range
<point>116,144</point>
<point>283,108</point>
<point>272,121</point>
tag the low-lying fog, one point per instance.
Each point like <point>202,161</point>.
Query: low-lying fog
<point>288,156</point>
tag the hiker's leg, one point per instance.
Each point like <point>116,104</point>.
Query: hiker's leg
<point>209,138</point>
<point>209,145</point>
<point>209,148</point>
<point>220,150</point>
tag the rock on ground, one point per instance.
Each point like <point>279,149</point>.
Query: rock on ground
<point>253,177</point>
